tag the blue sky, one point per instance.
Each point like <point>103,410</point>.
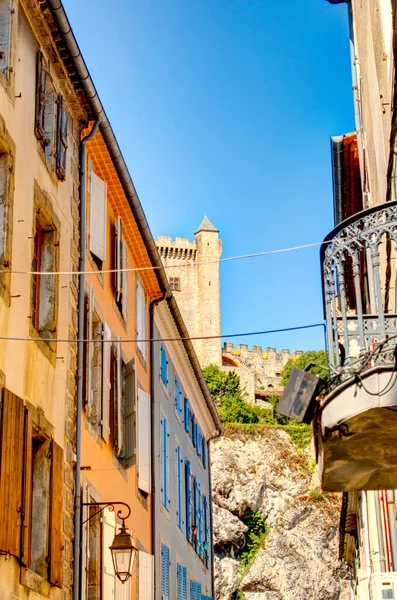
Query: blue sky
<point>227,107</point>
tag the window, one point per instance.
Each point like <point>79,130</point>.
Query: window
<point>181,582</point>
<point>31,492</point>
<point>165,573</point>
<point>175,284</point>
<point>129,412</point>
<point>97,206</point>
<point>179,488</point>
<point>51,119</point>
<point>143,442</point>
<point>120,275</point>
<point>164,441</point>
<point>141,318</point>
<point>5,209</point>
<point>207,531</point>
<point>6,14</point>
<point>163,365</point>
<point>198,441</point>
<point>146,575</point>
<point>187,415</point>
<point>204,452</point>
<point>178,406</point>
<point>195,590</point>
<point>188,501</point>
<point>45,258</point>
<point>197,523</point>
<point>94,350</point>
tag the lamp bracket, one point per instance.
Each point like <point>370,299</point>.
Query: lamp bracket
<point>111,507</point>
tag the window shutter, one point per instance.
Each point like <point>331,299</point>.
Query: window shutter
<point>193,433</point>
<point>98,192</point>
<point>106,382</point>
<point>143,434</point>
<point>179,486</point>
<point>204,452</point>
<point>195,590</point>
<point>5,35</point>
<point>178,397</point>
<point>188,501</point>
<point>164,461</point>
<point>62,139</point>
<point>41,80</point>
<point>122,590</point>
<point>90,345</point>
<point>56,518</point>
<point>181,575</point>
<point>199,521</point>
<point>146,576</point>
<point>124,279</point>
<point>207,532</point>
<point>119,400</point>
<point>165,572</point>
<point>12,450</point>
<point>108,532</point>
<point>198,440</point>
<point>195,512</point>
<point>163,365</point>
<point>141,317</point>
<point>117,256</point>
<point>27,491</point>
<point>187,415</point>
<point>129,411</point>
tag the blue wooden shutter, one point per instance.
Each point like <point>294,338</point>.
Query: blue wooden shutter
<point>164,461</point>
<point>188,500</point>
<point>193,433</point>
<point>204,452</point>
<point>206,597</point>
<point>198,441</point>
<point>179,487</point>
<point>199,522</point>
<point>165,572</point>
<point>178,396</point>
<point>195,590</point>
<point>195,511</point>
<point>163,365</point>
<point>207,533</point>
<point>187,415</point>
<point>181,575</point>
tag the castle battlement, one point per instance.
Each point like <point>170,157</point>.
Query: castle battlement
<point>181,248</point>
<point>242,349</point>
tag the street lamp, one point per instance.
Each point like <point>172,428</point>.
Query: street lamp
<point>123,547</point>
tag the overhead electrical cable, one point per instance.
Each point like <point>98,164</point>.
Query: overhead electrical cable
<point>159,340</point>
<point>166,267</point>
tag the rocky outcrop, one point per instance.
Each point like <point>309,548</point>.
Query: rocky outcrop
<point>264,473</point>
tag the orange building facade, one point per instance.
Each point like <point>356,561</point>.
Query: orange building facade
<point>116,437</point>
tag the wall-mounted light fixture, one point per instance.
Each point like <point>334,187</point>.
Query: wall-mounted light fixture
<point>123,547</point>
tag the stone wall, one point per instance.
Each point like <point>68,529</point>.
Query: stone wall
<point>259,370</point>
<point>195,264</point>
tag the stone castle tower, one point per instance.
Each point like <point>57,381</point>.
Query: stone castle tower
<point>194,279</point>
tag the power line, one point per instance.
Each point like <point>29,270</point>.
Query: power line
<point>166,267</point>
<point>159,340</point>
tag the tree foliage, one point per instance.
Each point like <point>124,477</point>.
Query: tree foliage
<point>318,358</point>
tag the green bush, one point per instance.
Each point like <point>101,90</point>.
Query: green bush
<point>236,412</point>
<point>318,358</point>
<point>257,530</point>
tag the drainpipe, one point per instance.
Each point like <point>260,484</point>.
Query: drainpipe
<point>392,525</point>
<point>80,366</point>
<point>379,532</point>
<point>152,424</point>
<point>213,437</point>
<point>366,540</point>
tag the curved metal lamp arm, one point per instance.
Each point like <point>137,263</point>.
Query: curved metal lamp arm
<point>111,507</point>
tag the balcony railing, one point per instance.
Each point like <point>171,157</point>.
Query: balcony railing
<point>359,284</point>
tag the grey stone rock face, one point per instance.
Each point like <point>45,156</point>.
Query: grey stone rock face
<point>264,473</point>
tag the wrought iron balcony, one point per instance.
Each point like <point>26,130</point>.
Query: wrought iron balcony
<point>356,426</point>
<point>359,284</point>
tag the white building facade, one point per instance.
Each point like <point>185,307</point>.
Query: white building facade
<point>183,421</point>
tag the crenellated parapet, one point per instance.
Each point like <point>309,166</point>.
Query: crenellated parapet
<point>180,249</point>
<point>259,369</point>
